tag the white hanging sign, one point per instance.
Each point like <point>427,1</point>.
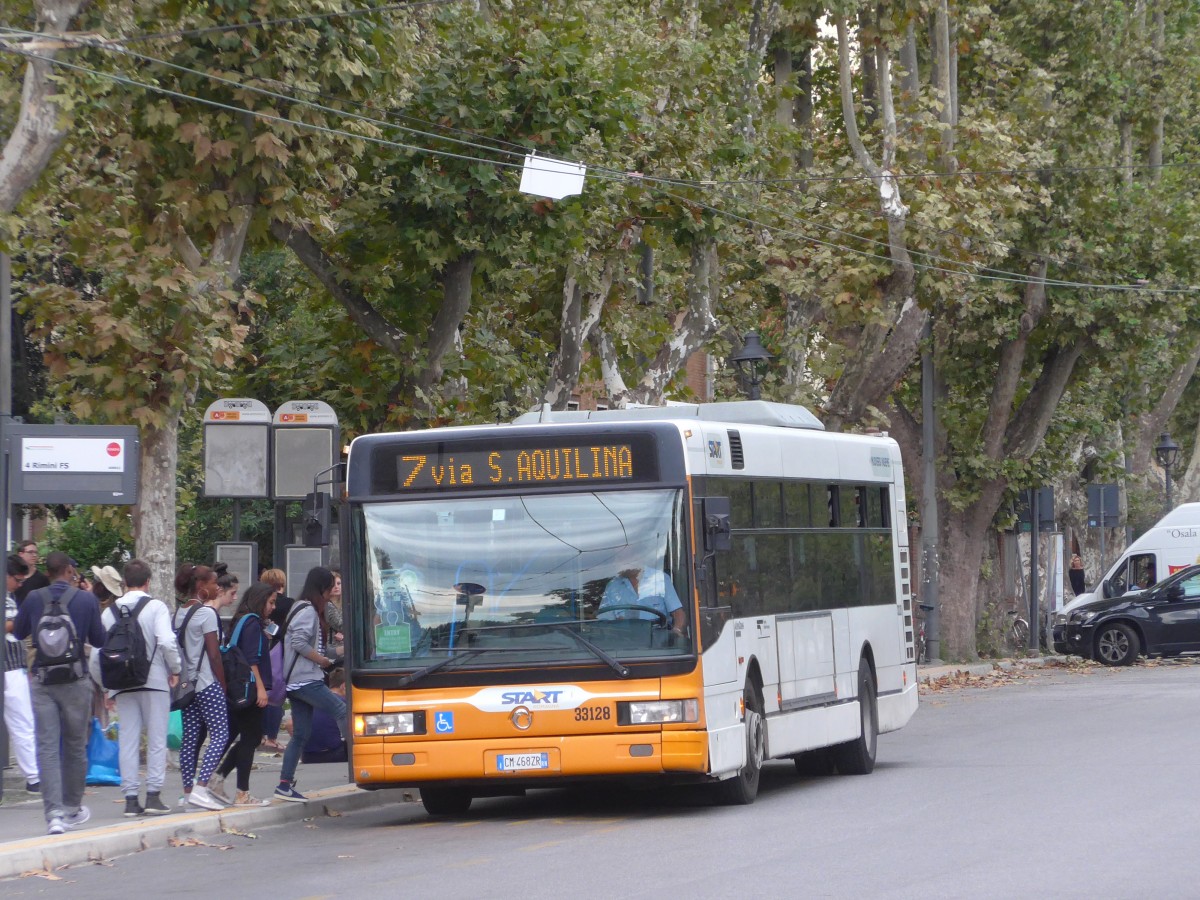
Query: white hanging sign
<point>553,178</point>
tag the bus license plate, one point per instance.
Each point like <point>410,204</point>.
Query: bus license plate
<point>522,762</point>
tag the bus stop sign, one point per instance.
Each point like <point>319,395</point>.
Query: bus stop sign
<point>85,464</point>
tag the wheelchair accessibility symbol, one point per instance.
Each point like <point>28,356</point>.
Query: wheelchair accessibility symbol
<point>443,722</point>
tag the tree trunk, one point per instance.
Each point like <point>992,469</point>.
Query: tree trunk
<point>886,349</point>
<point>945,88</point>
<point>804,107</point>
<point>41,125</point>
<point>764,14</point>
<point>154,515</point>
<point>456,301</point>
<point>963,542</point>
<point>866,50</point>
<point>1154,421</point>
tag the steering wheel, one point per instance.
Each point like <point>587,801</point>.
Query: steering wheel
<point>663,620</point>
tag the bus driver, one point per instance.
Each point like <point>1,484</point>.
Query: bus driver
<point>643,586</point>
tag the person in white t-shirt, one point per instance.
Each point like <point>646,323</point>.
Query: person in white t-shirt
<point>145,709</point>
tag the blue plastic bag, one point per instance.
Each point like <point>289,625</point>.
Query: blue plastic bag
<point>104,757</point>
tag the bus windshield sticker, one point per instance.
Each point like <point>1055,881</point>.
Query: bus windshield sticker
<point>393,640</point>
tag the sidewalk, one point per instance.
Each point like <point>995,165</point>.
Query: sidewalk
<point>25,846</point>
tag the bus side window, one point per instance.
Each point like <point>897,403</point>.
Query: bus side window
<point>741,512</point>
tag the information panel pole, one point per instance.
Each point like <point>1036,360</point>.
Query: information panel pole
<point>5,414</point>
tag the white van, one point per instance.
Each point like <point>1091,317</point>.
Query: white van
<point>1172,544</point>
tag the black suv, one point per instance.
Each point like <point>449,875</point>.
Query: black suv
<point>1163,620</point>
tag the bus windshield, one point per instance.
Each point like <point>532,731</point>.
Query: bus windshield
<point>528,580</point>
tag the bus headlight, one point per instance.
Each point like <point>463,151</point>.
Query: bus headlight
<point>385,723</point>
<point>657,712</point>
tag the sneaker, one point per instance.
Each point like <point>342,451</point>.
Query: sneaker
<point>132,808</point>
<point>216,787</point>
<point>245,798</point>
<point>33,787</point>
<point>287,791</point>
<point>202,798</point>
<point>154,804</point>
<point>56,826</point>
<point>80,817</point>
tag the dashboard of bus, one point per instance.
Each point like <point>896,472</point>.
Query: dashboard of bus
<point>523,580</point>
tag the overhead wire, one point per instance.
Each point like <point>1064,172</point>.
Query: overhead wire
<point>984,272</point>
<point>1013,277</point>
<point>312,17</point>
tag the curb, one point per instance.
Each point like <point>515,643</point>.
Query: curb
<point>50,852</point>
<point>933,673</point>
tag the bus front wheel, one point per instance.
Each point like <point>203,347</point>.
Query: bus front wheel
<point>857,757</point>
<point>441,801</point>
<point>742,788</point>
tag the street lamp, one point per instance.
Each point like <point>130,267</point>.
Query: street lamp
<point>1167,454</point>
<point>750,362</point>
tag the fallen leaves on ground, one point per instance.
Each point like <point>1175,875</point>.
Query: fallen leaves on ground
<point>195,842</point>
<point>1020,670</point>
<point>240,833</point>
<point>47,873</point>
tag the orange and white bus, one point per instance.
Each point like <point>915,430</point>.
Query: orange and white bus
<point>674,593</point>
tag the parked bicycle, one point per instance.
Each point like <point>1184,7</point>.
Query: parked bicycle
<point>922,647</point>
<point>1018,632</point>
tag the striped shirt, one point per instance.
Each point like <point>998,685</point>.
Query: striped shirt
<point>14,650</point>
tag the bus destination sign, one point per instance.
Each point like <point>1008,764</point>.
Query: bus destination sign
<point>500,467</point>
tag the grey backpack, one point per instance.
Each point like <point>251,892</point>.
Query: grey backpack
<point>59,655</point>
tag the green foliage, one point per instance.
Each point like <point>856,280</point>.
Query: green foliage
<point>91,535</point>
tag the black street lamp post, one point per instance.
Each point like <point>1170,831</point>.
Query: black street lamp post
<point>751,360</point>
<point>1167,454</point>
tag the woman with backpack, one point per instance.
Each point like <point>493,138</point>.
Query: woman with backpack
<point>245,725</point>
<point>199,630</point>
<point>304,667</point>
<point>273,717</point>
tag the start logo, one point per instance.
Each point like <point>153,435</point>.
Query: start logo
<point>541,697</point>
<point>532,698</point>
<point>550,696</point>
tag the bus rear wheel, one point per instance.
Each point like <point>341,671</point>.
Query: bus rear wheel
<point>742,788</point>
<point>857,757</point>
<point>441,801</point>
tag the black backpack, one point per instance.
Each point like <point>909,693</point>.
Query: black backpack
<point>125,658</point>
<point>240,686</point>
<point>59,655</point>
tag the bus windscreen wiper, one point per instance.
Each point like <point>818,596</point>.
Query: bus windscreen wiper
<point>416,676</point>
<point>599,652</point>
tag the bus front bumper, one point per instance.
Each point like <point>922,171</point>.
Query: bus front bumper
<point>525,759</point>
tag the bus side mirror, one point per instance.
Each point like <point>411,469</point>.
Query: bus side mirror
<point>717,536</point>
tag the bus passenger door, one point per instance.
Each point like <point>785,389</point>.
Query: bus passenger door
<point>806,669</point>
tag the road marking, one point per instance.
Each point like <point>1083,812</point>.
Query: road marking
<point>471,863</point>
<point>543,846</point>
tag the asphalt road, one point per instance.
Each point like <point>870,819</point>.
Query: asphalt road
<point>1061,783</point>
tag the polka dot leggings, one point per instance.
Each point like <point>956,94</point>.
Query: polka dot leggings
<point>210,710</point>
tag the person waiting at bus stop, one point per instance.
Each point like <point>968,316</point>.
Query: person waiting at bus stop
<point>642,586</point>
<point>304,668</point>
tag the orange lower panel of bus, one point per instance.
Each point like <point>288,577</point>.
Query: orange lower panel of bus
<point>413,762</point>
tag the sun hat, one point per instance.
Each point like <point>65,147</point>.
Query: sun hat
<point>110,578</point>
